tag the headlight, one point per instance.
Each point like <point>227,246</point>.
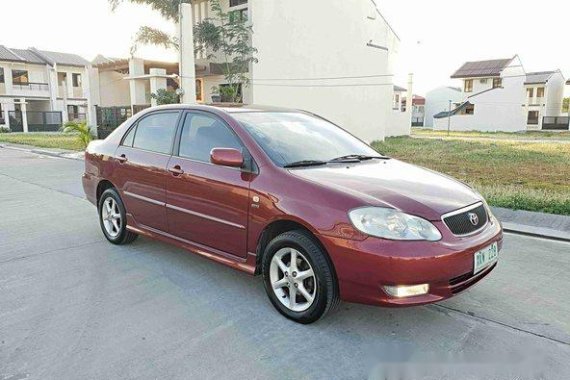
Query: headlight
<point>392,224</point>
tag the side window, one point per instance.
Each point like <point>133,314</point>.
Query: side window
<point>202,133</point>
<point>130,137</point>
<point>156,132</point>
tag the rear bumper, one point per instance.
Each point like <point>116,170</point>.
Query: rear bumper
<point>365,267</point>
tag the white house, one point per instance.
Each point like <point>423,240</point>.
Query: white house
<point>437,100</point>
<point>342,70</point>
<point>40,90</point>
<point>498,95</point>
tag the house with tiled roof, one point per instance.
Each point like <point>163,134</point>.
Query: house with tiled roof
<point>40,90</point>
<point>499,95</point>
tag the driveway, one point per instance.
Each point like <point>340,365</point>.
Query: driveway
<point>73,306</point>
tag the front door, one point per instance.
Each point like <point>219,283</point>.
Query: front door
<point>207,204</point>
<point>140,169</point>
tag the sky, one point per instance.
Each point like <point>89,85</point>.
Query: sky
<point>437,37</point>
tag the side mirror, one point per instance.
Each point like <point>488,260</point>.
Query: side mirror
<point>226,157</point>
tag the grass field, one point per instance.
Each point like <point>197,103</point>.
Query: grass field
<point>528,176</point>
<point>43,140</point>
<point>528,135</point>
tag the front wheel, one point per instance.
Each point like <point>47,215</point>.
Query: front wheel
<point>113,218</point>
<point>299,278</point>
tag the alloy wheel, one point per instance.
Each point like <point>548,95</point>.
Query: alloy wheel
<point>111,217</point>
<point>292,279</point>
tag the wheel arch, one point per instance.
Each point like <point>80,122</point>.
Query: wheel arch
<point>279,226</point>
<point>102,186</point>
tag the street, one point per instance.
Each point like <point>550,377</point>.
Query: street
<point>74,306</point>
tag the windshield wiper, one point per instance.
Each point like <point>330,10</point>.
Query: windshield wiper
<point>299,164</point>
<point>357,157</point>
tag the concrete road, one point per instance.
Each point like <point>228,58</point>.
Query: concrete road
<point>73,306</point>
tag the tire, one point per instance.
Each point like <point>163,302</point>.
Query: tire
<point>322,286</point>
<point>121,235</point>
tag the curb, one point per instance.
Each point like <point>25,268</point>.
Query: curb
<point>69,155</point>
<point>539,232</point>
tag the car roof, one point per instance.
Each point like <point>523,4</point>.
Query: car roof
<point>233,109</point>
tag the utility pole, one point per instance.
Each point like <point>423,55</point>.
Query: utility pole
<point>449,119</point>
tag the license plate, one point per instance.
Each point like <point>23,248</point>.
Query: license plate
<point>485,257</point>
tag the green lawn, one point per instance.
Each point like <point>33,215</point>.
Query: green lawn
<point>533,176</point>
<point>43,140</point>
<point>529,135</point>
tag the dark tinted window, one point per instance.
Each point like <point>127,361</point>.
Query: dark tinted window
<point>202,133</point>
<point>156,132</point>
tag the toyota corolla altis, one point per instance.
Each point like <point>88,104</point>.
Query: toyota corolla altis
<point>289,196</point>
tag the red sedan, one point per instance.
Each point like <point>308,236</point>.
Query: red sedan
<point>287,195</point>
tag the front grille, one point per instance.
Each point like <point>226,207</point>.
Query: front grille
<point>462,223</point>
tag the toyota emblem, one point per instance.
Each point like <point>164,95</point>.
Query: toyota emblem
<point>473,218</point>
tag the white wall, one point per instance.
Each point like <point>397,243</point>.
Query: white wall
<point>555,95</point>
<point>437,100</point>
<point>113,89</point>
<point>499,109</point>
<point>291,47</point>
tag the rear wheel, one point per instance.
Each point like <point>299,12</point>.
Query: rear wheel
<point>298,277</point>
<point>113,218</point>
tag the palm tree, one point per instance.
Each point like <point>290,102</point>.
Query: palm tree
<point>81,129</point>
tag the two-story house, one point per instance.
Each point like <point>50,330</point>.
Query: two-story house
<point>40,90</point>
<point>342,70</point>
<point>498,95</point>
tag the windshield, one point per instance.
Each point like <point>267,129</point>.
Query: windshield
<point>294,137</point>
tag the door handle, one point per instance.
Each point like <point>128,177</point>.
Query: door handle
<point>122,158</point>
<point>177,170</point>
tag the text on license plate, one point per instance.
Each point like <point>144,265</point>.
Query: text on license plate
<point>485,257</point>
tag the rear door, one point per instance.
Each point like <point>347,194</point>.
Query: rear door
<point>140,172</point>
<point>206,203</point>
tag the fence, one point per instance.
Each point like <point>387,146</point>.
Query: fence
<point>16,123</point>
<point>38,121</point>
<point>44,121</point>
<point>555,122</point>
<point>109,118</point>
<point>417,121</point>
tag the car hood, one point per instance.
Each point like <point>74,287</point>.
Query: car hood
<point>392,183</point>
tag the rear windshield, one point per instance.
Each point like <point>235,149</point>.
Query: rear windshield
<point>289,137</point>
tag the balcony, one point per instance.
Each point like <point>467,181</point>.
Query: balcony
<point>535,101</point>
<point>30,86</point>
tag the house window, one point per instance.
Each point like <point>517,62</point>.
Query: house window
<point>199,90</point>
<point>540,92</point>
<point>76,78</point>
<point>236,3</point>
<point>61,78</point>
<point>532,118</point>
<point>468,85</point>
<point>530,92</point>
<point>483,81</point>
<point>1,115</point>
<point>20,76</point>
<point>497,82</point>
<point>2,75</point>
<point>238,16</point>
<point>470,109</point>
<point>396,101</point>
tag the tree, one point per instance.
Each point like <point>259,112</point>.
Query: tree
<point>168,9</point>
<point>227,37</point>
<point>163,96</point>
<point>566,105</point>
<point>81,129</point>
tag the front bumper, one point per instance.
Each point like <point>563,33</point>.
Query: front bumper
<point>364,267</point>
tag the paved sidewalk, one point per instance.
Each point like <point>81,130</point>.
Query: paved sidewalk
<point>52,152</point>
